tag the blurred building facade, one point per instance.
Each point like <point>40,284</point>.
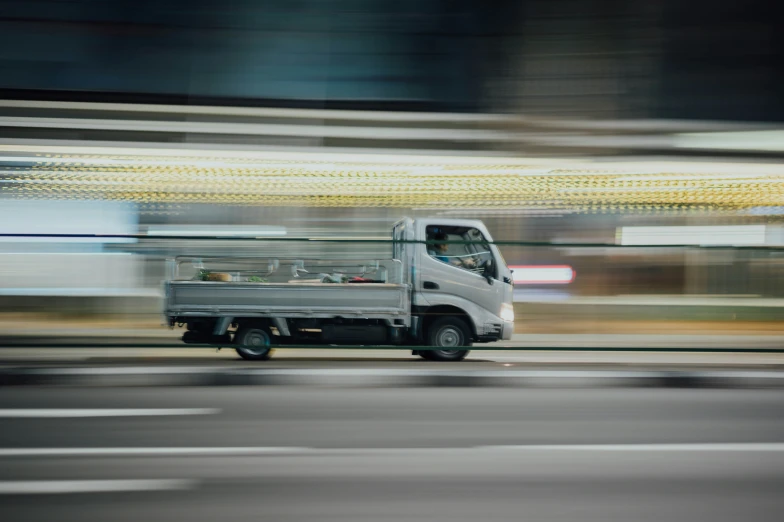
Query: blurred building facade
<point>563,78</point>
<point>568,58</point>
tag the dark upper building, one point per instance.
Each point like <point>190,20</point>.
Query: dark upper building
<point>574,58</point>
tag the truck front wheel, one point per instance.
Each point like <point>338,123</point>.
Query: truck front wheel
<point>254,344</point>
<point>446,332</point>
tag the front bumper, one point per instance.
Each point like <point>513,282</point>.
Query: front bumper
<point>507,331</point>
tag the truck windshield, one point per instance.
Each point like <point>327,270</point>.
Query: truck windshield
<point>470,250</point>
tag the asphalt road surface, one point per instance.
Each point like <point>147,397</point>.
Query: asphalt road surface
<point>288,454</point>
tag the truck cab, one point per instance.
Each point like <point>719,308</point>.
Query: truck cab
<point>461,286</point>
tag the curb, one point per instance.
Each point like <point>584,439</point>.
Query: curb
<point>379,378</point>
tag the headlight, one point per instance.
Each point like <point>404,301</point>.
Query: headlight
<point>507,312</point>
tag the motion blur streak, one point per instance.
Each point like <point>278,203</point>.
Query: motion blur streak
<point>177,162</point>
<point>543,275</point>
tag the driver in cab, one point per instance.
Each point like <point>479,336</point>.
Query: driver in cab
<point>439,251</point>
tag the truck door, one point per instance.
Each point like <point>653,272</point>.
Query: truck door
<point>455,274</point>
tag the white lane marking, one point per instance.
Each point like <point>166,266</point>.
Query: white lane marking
<point>143,452</point>
<point>294,450</point>
<point>48,413</point>
<point>48,487</point>
<point>708,446</point>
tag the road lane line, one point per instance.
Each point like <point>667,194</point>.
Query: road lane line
<point>50,413</point>
<point>49,487</point>
<point>742,447</point>
<point>676,447</point>
<point>147,452</point>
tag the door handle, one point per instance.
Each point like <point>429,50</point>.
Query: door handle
<point>430,285</point>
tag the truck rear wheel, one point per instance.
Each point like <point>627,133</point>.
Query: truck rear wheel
<point>255,344</point>
<point>446,332</point>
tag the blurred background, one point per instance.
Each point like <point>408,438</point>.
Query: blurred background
<point>627,156</point>
<point>633,150</point>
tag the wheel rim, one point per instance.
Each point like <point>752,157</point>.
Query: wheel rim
<point>256,342</point>
<point>449,336</point>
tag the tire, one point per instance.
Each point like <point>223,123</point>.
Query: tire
<point>447,331</point>
<point>257,344</point>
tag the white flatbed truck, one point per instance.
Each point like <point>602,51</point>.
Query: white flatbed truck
<point>443,298</point>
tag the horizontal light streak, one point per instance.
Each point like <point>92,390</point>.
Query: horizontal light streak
<point>270,112</point>
<point>542,274</point>
<point>311,181</point>
<point>207,230</point>
<point>732,235</point>
<point>264,129</point>
<point>757,140</point>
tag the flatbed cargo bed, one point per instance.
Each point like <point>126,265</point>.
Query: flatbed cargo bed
<point>293,299</point>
